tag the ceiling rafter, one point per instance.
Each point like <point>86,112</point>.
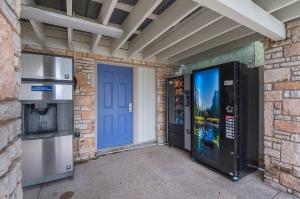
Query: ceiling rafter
<point>249,14</point>
<point>103,17</point>
<point>39,30</point>
<point>191,41</point>
<point>70,30</point>
<point>216,29</point>
<point>38,27</point>
<point>283,10</point>
<point>126,8</point>
<point>81,17</point>
<point>170,17</point>
<point>227,37</point>
<point>55,18</point>
<point>223,48</point>
<point>119,26</point>
<point>289,12</point>
<point>28,2</point>
<point>136,17</point>
<point>274,5</point>
<point>196,22</point>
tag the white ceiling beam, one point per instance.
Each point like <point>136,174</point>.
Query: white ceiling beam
<point>103,17</point>
<point>223,48</point>
<point>39,30</point>
<point>170,17</point>
<point>70,30</point>
<point>129,8</point>
<point>106,11</point>
<point>274,5</point>
<point>70,38</point>
<point>53,18</point>
<point>38,27</point>
<point>230,36</point>
<point>189,24</point>
<point>210,33</point>
<point>184,29</point>
<point>78,16</point>
<point>249,14</point>
<point>87,19</point>
<point>288,13</point>
<point>216,29</point>
<point>28,2</point>
<point>126,8</point>
<point>141,11</point>
<point>119,26</point>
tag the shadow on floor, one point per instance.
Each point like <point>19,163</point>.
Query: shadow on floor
<point>156,172</point>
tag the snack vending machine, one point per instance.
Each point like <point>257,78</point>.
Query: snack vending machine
<point>179,112</point>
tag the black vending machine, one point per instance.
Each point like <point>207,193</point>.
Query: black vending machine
<point>179,112</point>
<point>225,118</point>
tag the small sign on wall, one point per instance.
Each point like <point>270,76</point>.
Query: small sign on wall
<point>42,88</point>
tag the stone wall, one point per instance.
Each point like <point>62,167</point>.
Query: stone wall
<point>282,111</point>
<point>162,73</point>
<point>85,95</point>
<point>10,108</point>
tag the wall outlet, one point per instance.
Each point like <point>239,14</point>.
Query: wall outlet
<point>76,134</point>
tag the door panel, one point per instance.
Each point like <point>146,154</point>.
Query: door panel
<point>114,97</point>
<point>108,93</point>
<point>122,96</point>
<point>144,104</point>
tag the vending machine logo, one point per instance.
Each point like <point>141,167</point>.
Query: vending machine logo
<point>229,109</point>
<point>228,82</point>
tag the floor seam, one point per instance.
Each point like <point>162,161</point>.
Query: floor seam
<point>40,189</point>
<point>276,194</point>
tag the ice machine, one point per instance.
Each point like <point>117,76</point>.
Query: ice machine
<point>46,95</point>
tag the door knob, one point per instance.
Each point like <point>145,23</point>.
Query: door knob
<point>130,107</point>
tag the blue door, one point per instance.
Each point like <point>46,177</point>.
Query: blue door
<point>114,106</point>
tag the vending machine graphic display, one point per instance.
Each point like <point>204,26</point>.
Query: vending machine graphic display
<point>207,113</point>
<point>224,119</point>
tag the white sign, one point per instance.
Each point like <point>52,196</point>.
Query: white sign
<point>228,82</point>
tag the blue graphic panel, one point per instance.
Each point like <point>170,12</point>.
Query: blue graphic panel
<point>207,112</point>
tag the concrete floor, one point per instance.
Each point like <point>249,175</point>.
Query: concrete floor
<point>156,172</point>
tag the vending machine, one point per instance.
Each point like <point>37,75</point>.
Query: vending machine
<point>179,112</point>
<point>225,118</point>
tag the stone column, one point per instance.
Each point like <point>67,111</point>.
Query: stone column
<point>10,108</point>
<point>85,107</point>
<point>282,111</point>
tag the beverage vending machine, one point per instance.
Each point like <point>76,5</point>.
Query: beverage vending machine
<point>225,131</point>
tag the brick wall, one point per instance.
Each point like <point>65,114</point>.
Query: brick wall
<point>85,94</point>
<point>282,111</point>
<point>10,108</point>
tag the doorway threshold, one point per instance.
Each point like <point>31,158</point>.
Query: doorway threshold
<point>101,152</point>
